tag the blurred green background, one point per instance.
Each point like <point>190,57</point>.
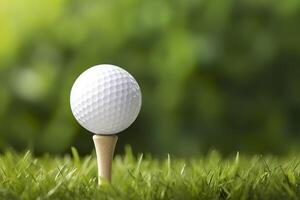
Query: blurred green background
<point>214,74</point>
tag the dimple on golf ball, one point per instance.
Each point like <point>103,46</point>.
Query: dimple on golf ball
<point>105,99</point>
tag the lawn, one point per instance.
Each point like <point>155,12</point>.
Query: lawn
<point>23,176</point>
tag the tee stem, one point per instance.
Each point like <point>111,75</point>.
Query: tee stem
<point>105,147</point>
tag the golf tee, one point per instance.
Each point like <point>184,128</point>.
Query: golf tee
<point>105,147</point>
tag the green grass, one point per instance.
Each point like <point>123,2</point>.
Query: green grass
<point>23,176</point>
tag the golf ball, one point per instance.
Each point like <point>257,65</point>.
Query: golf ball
<point>105,99</point>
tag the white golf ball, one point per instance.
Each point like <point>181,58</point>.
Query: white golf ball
<point>105,99</point>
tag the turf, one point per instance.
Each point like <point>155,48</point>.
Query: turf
<point>23,176</point>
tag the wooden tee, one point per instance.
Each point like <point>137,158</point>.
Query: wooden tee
<point>105,147</point>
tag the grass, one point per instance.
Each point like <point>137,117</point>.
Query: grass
<point>23,176</point>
